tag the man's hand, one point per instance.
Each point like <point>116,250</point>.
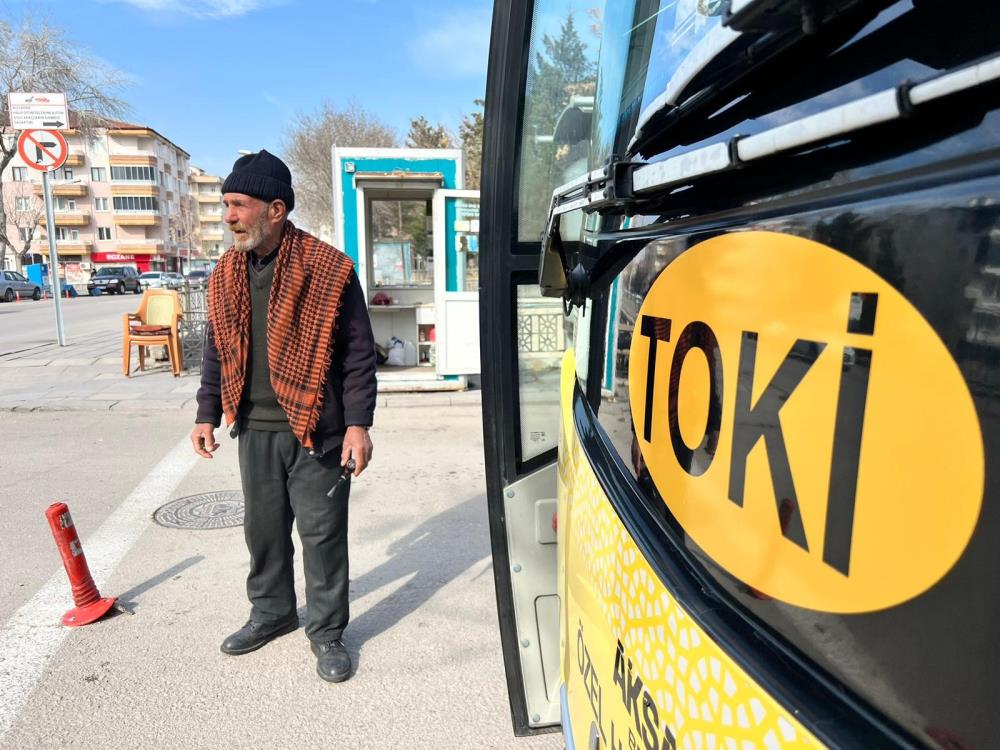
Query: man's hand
<point>203,439</point>
<point>357,444</point>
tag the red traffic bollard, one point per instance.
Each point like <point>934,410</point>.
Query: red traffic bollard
<point>90,607</point>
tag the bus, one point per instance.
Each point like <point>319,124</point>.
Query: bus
<point>740,341</point>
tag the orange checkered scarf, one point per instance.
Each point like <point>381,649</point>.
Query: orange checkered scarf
<point>309,279</point>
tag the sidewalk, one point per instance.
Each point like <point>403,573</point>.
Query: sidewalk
<point>429,671</point>
<point>86,375</point>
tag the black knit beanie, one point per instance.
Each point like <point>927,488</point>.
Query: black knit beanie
<point>261,175</point>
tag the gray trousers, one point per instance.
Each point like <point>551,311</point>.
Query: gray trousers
<point>282,483</point>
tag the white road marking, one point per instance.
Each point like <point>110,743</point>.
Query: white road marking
<point>33,634</point>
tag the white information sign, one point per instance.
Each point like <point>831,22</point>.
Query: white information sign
<point>37,111</point>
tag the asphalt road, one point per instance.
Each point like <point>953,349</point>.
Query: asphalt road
<point>27,324</point>
<point>423,633</point>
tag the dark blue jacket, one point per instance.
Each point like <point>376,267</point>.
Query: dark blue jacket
<point>350,389</point>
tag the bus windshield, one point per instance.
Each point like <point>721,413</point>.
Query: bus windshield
<point>663,31</point>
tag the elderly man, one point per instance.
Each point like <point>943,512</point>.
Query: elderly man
<point>290,363</point>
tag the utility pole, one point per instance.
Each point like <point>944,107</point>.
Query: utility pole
<point>50,222</point>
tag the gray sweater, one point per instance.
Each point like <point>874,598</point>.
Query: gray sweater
<point>350,388</point>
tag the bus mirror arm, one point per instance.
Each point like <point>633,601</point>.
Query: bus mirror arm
<point>552,279</point>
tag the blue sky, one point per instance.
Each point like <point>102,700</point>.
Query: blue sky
<point>216,76</point>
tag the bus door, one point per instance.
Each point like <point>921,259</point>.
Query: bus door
<point>524,333</point>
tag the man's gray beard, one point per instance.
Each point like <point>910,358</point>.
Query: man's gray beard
<point>255,236</point>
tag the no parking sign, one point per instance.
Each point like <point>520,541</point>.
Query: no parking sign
<point>44,150</point>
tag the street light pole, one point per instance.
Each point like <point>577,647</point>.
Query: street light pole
<point>53,258</point>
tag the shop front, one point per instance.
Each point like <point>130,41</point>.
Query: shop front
<point>143,262</point>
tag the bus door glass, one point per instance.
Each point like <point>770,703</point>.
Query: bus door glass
<point>540,112</point>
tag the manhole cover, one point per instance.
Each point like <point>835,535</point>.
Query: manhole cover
<point>213,510</point>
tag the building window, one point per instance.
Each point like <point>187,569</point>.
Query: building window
<point>133,174</point>
<point>22,204</point>
<point>25,233</point>
<point>136,203</point>
<point>19,174</point>
<point>97,174</point>
<point>104,233</point>
<point>65,204</point>
<point>62,233</point>
<point>100,204</point>
<point>67,173</point>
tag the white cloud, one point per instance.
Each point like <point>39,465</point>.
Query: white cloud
<point>456,45</point>
<point>204,9</point>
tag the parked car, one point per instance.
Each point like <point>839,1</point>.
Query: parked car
<point>153,280</point>
<point>13,284</point>
<point>198,277</point>
<point>161,280</point>
<point>115,280</point>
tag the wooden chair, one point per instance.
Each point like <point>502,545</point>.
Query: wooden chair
<point>155,323</point>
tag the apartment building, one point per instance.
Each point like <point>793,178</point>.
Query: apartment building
<point>120,199</point>
<point>212,236</point>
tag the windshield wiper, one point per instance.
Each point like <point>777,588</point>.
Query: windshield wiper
<point>627,188</point>
<point>753,34</point>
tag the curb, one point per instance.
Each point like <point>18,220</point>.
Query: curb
<point>141,405</point>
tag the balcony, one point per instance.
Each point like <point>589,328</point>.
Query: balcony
<point>209,197</point>
<point>70,219</point>
<point>205,179</point>
<point>67,247</point>
<point>74,190</point>
<point>140,247</point>
<point>75,159</point>
<point>211,236</point>
<point>132,160</point>
<point>134,187</point>
<point>137,218</point>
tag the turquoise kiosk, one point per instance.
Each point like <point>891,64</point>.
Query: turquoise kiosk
<point>413,233</point>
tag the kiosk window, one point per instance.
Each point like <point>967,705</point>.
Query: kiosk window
<point>465,224</point>
<point>402,251</point>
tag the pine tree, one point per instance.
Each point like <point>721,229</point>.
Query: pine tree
<point>470,131</point>
<point>424,135</point>
<point>562,67</point>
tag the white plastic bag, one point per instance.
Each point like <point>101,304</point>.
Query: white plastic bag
<point>397,353</point>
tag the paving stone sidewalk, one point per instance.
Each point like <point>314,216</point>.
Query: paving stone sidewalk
<point>86,375</point>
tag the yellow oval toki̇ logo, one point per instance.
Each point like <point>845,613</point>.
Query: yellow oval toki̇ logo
<point>804,423</point>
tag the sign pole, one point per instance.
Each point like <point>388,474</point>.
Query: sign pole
<point>53,258</point>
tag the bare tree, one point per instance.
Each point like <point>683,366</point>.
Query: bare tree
<point>307,148</point>
<point>424,135</point>
<point>183,229</point>
<point>39,57</point>
<point>25,211</point>
<point>596,16</point>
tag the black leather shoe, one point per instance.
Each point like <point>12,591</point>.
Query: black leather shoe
<point>253,635</point>
<point>333,663</point>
